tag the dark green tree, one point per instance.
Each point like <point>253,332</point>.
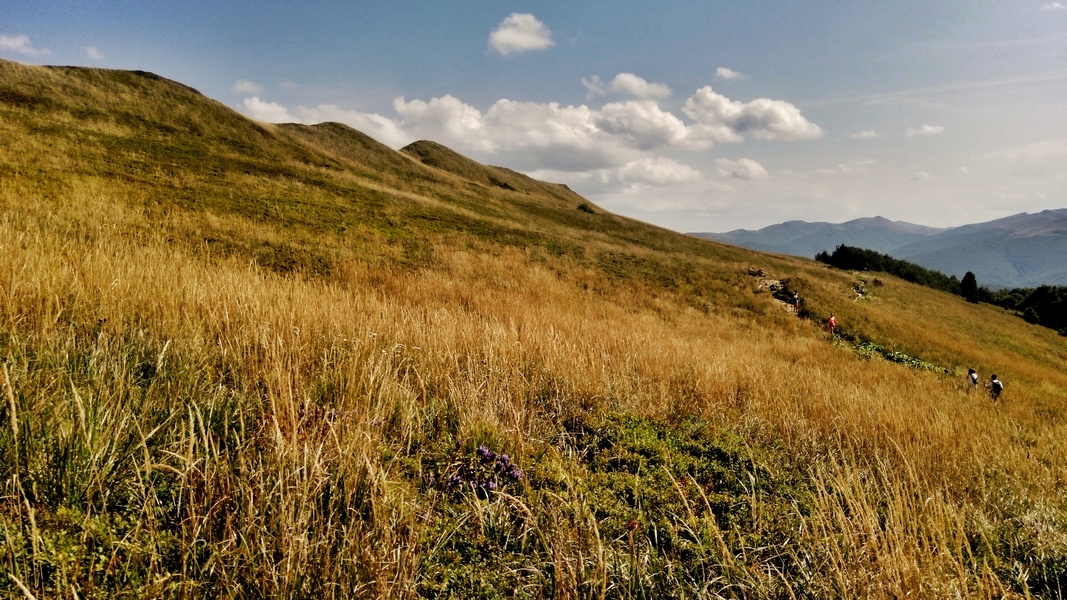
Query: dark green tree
<point>969,287</point>
<point>860,259</point>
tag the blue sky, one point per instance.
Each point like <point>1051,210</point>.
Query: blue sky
<point>692,115</point>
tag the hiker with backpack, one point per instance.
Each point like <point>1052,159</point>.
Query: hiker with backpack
<point>995,386</point>
<point>972,379</point>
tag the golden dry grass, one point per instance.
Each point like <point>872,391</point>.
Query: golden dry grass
<point>183,421</point>
<point>904,464</point>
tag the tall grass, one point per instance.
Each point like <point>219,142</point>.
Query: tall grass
<point>176,427</point>
<point>277,380</point>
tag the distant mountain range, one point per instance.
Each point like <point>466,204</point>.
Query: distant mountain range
<point>1024,250</point>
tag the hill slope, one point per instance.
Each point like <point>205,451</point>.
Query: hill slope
<point>1023,250</point>
<point>287,361</point>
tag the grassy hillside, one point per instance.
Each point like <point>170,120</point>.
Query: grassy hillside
<point>246,360</point>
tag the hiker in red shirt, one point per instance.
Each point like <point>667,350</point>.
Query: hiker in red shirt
<point>832,323</point>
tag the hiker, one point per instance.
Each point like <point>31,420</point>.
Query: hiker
<point>832,323</point>
<point>995,386</point>
<point>796,301</point>
<point>972,378</point>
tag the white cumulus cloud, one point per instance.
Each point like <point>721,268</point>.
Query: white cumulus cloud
<point>631,84</point>
<point>723,119</point>
<point>643,124</point>
<point>657,171</point>
<point>1054,6</point>
<point>644,173</point>
<point>613,143</point>
<point>94,54</point>
<point>744,168</point>
<point>868,134</point>
<point>379,127</point>
<point>537,135</point>
<point>625,83</point>
<point>268,112</point>
<point>925,131</point>
<point>530,135</point>
<point>728,74</point>
<point>594,86</point>
<point>447,117</point>
<point>20,44</point>
<point>243,86</point>
<point>520,32</point>
<point>635,176</point>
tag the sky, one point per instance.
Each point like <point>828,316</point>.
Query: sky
<point>694,115</point>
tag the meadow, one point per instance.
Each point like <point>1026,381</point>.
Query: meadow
<point>249,361</point>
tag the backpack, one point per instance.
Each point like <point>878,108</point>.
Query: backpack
<point>997,386</point>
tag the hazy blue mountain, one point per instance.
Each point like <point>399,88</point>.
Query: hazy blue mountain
<point>807,239</point>
<point>1024,250</point>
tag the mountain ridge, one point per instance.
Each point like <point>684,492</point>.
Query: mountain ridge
<point>1021,250</point>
